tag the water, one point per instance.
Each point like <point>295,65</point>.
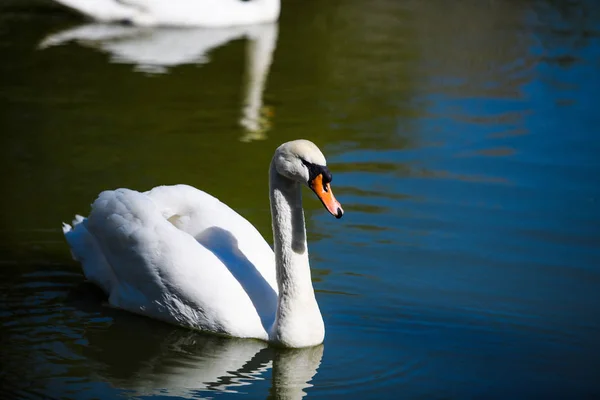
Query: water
<point>463,141</point>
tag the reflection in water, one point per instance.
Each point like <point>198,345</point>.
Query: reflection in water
<point>293,369</point>
<point>154,51</point>
<point>177,362</point>
<point>137,354</point>
<point>173,361</point>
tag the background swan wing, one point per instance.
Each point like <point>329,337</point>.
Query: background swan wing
<point>208,13</point>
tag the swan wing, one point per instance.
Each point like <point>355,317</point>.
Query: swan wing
<point>215,225</point>
<point>153,255</point>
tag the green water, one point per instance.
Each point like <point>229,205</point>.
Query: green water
<point>463,141</point>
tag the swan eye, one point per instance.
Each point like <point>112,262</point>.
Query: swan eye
<point>315,170</point>
<point>327,177</point>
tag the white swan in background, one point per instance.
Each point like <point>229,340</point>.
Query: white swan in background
<point>206,13</point>
<point>157,50</point>
<point>178,254</point>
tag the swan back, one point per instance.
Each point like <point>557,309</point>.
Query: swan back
<point>206,219</point>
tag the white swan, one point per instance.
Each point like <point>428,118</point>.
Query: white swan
<point>178,254</point>
<point>207,13</point>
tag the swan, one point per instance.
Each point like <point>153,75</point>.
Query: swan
<point>177,254</point>
<point>206,13</point>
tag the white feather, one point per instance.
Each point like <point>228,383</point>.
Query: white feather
<point>207,13</point>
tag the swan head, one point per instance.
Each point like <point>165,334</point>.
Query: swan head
<point>302,161</point>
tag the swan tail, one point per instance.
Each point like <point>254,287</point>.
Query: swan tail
<point>66,228</point>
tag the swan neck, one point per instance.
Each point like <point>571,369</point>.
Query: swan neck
<point>289,233</point>
<point>298,322</point>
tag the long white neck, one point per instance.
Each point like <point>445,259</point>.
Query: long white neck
<point>298,322</point>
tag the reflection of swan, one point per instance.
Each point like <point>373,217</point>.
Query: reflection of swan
<point>256,118</point>
<point>156,50</point>
<point>177,254</point>
<point>293,369</point>
<point>208,13</point>
<point>180,363</point>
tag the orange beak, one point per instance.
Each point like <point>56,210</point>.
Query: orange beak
<point>325,194</point>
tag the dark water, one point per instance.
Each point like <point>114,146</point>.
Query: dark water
<point>464,141</point>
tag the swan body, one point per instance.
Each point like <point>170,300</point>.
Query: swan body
<point>206,13</point>
<point>178,254</point>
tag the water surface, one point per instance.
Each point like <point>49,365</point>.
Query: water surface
<point>463,141</point>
